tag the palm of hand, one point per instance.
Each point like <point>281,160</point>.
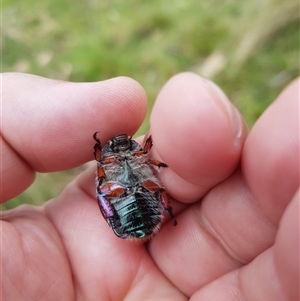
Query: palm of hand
<point>228,244</point>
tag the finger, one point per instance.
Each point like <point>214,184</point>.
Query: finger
<point>274,275</point>
<point>223,232</point>
<point>198,133</point>
<point>271,154</point>
<point>286,250</point>
<point>48,125</point>
<point>16,174</point>
<point>226,230</point>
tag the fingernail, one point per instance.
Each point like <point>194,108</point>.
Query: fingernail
<point>236,120</point>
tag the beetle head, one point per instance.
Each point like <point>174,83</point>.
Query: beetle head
<point>120,142</point>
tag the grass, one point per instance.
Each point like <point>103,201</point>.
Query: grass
<point>249,47</point>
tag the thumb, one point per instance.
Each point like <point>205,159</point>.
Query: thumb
<point>48,125</point>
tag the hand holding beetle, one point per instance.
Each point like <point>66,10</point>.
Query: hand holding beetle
<point>235,195</point>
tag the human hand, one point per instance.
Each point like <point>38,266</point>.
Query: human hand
<point>235,195</point>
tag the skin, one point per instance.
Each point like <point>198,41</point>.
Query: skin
<point>235,194</point>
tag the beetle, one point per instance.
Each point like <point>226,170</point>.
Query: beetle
<point>130,196</point>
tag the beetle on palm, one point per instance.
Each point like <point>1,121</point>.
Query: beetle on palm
<point>129,195</point>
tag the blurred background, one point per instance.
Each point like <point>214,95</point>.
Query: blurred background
<point>250,48</point>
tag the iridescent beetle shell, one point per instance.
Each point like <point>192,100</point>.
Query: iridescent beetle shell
<point>129,195</point>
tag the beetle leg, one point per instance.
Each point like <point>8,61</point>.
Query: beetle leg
<point>150,161</point>
<point>100,175</point>
<point>97,148</point>
<point>151,186</point>
<point>148,144</point>
<point>98,152</point>
<point>157,163</point>
<point>109,159</point>
<point>97,155</point>
<point>139,153</point>
<point>146,149</point>
<point>100,170</point>
<point>112,190</point>
<point>167,206</point>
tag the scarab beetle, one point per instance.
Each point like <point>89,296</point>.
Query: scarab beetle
<point>129,195</point>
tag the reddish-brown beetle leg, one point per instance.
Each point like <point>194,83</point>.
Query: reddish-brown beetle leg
<point>97,152</point>
<point>157,163</point>
<point>100,171</point>
<point>148,144</point>
<point>167,206</point>
<point>112,190</point>
<point>97,148</point>
<point>97,155</point>
<point>151,186</point>
<point>139,153</point>
<point>146,149</point>
<point>100,177</point>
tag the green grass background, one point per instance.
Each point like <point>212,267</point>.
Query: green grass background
<point>248,47</point>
